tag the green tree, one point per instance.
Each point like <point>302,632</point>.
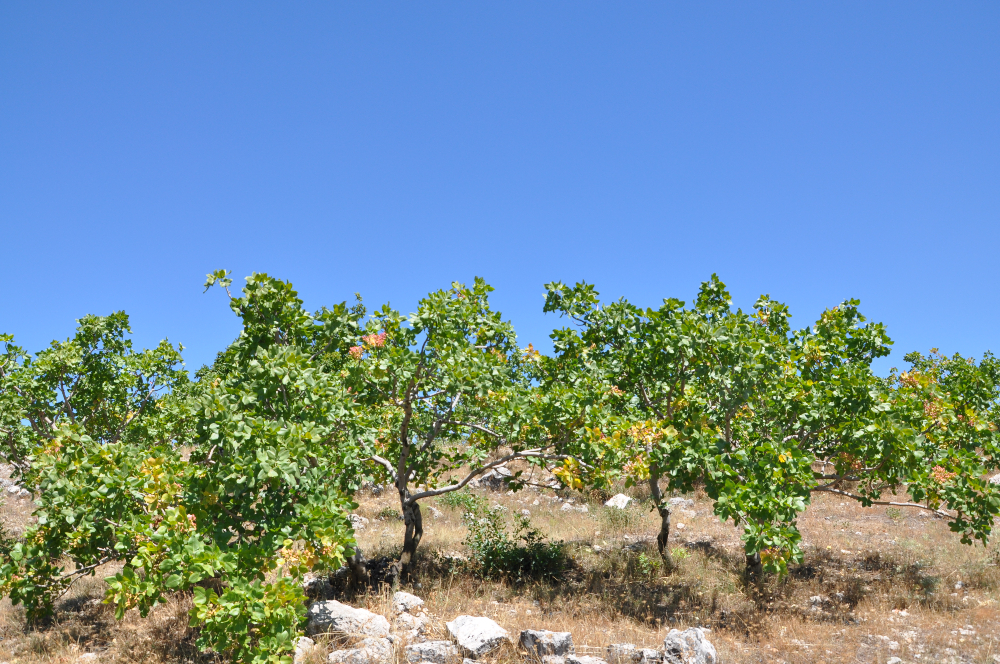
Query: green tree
<point>77,419</point>
<point>446,390</point>
<point>730,400</point>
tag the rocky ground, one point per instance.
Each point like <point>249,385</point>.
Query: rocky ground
<point>877,585</point>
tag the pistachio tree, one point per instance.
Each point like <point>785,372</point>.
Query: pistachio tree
<point>78,418</point>
<point>729,400</point>
<point>449,395</point>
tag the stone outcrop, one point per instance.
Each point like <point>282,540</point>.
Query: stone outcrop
<point>435,652</point>
<point>619,501</point>
<point>332,617</point>
<point>688,647</point>
<point>542,642</point>
<point>473,637</point>
<point>477,636</point>
<point>370,650</point>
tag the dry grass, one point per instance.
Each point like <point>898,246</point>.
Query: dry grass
<point>874,585</point>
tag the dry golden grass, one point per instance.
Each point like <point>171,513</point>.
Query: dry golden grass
<point>886,585</point>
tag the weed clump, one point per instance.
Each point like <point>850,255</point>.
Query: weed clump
<point>517,552</point>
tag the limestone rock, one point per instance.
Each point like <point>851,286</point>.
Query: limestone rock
<point>681,502</point>
<point>405,602</point>
<point>436,652</point>
<point>476,636</point>
<point>584,659</point>
<point>369,651</point>
<point>620,501</point>
<point>543,642</point>
<point>688,647</point>
<point>995,479</point>
<point>333,617</point>
<point>358,522</point>
<point>303,646</point>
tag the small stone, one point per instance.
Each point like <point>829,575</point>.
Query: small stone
<point>405,602</point>
<point>333,617</point>
<point>566,507</point>
<point>894,660</point>
<point>369,651</point>
<point>13,489</point>
<point>542,642</point>
<point>619,501</point>
<point>87,657</point>
<point>526,513</point>
<point>995,479</point>
<point>436,652</point>
<point>688,647</point>
<point>477,636</point>
<point>435,512</point>
<point>551,659</point>
<point>680,502</point>
<point>358,522</point>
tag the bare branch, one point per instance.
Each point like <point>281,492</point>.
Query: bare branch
<point>883,502</point>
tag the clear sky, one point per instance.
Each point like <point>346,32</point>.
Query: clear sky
<point>812,151</point>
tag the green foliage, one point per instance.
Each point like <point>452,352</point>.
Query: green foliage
<point>760,415</point>
<point>516,552</point>
<point>447,389</point>
<point>273,449</point>
<point>463,500</point>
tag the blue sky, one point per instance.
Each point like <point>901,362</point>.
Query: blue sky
<point>812,151</point>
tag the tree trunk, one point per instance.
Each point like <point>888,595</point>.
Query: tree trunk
<point>414,531</point>
<point>755,568</point>
<point>359,569</point>
<point>664,511</point>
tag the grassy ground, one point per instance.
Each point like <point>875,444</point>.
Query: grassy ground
<point>875,584</point>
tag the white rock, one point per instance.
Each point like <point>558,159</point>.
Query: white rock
<point>995,479</point>
<point>620,501</point>
<point>476,636</point>
<point>412,627</point>
<point>894,660</point>
<point>526,513</point>
<point>626,653</point>
<point>688,647</point>
<point>437,652</point>
<point>542,642</point>
<point>566,507</point>
<point>369,651</point>
<point>621,653</point>
<point>435,512</point>
<point>584,659</point>
<point>681,502</point>
<point>12,490</point>
<point>649,656</point>
<point>405,602</point>
<point>550,659</point>
<point>358,522</point>
<point>332,616</point>
<point>303,646</point>
<point>87,657</point>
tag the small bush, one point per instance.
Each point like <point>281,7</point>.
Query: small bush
<point>516,553</point>
<point>464,500</point>
<point>389,513</point>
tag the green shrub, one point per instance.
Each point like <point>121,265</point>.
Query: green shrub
<point>464,500</point>
<point>517,553</point>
